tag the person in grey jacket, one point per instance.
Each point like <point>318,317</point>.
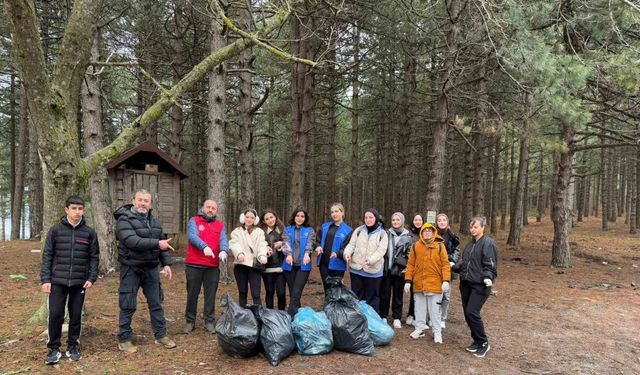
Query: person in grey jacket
<point>478,269</point>
<point>395,262</point>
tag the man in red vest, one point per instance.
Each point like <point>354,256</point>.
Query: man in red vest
<point>207,247</point>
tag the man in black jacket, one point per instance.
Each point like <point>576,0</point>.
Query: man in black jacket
<point>141,248</point>
<point>69,267</point>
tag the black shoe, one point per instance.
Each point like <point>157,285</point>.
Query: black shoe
<point>473,347</point>
<point>53,357</point>
<point>482,350</point>
<point>73,353</point>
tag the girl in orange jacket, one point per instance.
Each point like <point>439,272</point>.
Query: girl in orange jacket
<point>429,272</point>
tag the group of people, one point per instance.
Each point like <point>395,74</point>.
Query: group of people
<point>383,265</point>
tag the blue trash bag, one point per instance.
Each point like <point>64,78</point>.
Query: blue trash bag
<point>312,332</point>
<point>381,332</point>
<point>348,323</point>
<point>238,330</point>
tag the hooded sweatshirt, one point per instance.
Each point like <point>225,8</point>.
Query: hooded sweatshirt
<point>428,264</point>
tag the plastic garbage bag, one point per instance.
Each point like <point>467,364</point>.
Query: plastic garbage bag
<point>237,330</point>
<point>348,323</point>
<point>312,332</point>
<point>381,332</point>
<point>276,337</point>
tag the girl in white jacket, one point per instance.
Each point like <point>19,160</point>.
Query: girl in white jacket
<point>248,243</point>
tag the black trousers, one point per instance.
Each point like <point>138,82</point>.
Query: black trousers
<point>326,272</point>
<point>391,290</point>
<point>274,283</point>
<point>131,280</point>
<point>206,278</point>
<point>367,289</point>
<point>473,297</point>
<point>73,298</point>
<point>296,280</point>
<point>247,277</point>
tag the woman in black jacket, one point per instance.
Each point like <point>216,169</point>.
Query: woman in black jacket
<point>478,270</point>
<point>273,277</point>
<point>451,243</point>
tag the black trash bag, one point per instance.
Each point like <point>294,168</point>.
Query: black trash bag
<point>276,337</point>
<point>238,330</point>
<point>348,322</point>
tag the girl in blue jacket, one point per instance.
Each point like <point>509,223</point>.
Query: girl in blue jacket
<point>297,239</point>
<point>332,237</point>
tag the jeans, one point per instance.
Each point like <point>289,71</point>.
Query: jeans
<point>274,283</point>
<point>296,280</point>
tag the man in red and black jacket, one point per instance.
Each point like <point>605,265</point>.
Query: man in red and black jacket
<point>69,267</point>
<point>207,246</point>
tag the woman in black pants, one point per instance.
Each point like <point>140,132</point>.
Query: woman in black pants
<point>298,239</point>
<point>273,277</point>
<point>247,243</point>
<point>478,269</point>
<point>331,239</point>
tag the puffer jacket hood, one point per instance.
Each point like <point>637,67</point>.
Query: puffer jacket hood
<point>126,211</point>
<point>436,237</point>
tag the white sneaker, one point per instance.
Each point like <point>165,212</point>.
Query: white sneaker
<point>397,324</point>
<point>442,325</point>
<point>437,338</point>
<point>417,333</point>
<point>409,320</point>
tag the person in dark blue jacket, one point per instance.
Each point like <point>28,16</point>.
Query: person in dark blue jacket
<point>69,267</point>
<point>332,237</point>
<point>297,239</point>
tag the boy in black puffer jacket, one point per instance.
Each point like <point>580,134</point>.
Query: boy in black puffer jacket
<point>69,267</point>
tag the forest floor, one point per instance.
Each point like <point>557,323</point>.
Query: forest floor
<point>581,320</point>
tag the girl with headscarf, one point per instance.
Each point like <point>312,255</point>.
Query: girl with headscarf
<point>395,262</point>
<point>365,255</point>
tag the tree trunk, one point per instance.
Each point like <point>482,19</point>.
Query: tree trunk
<point>101,204</point>
<point>354,196</point>
<point>515,224</point>
<point>216,184</point>
<point>302,103</point>
<point>633,192</point>
<point>467,195</point>
<point>605,186</point>
<point>245,116</point>
<point>35,185</point>
<point>495,197</point>
<point>541,196</point>
<point>444,83</point>
<point>19,170</point>
<point>562,203</point>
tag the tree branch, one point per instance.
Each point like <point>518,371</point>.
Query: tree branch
<point>256,40</point>
<point>133,130</point>
<point>259,104</point>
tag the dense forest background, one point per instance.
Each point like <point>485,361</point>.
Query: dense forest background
<point>504,108</point>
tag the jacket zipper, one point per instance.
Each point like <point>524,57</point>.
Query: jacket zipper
<point>73,244</point>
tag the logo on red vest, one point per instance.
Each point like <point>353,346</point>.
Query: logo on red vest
<point>201,227</point>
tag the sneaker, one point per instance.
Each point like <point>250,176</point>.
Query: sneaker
<point>188,328</point>
<point>482,350</point>
<point>210,327</point>
<point>397,324</point>
<point>417,333</point>
<point>473,348</point>
<point>53,357</point>
<point>443,325</point>
<point>409,320</point>
<point>437,338</point>
<point>166,342</point>
<point>127,346</point>
<point>73,353</point>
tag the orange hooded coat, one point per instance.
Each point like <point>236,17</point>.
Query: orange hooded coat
<point>428,264</point>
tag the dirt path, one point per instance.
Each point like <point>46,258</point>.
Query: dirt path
<point>582,320</point>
